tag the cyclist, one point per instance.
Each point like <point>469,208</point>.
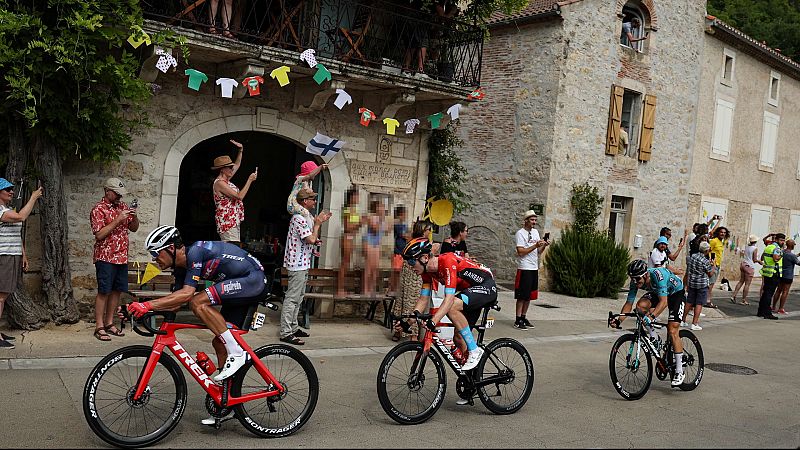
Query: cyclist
<point>468,288</point>
<point>665,287</point>
<point>239,282</point>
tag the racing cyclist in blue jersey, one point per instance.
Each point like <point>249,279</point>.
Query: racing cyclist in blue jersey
<point>239,283</point>
<point>667,289</point>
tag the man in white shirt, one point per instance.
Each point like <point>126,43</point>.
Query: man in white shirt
<point>659,253</point>
<point>297,260</point>
<point>526,285</point>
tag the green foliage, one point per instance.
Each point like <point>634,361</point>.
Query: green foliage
<point>777,22</point>
<point>446,175</point>
<point>68,71</point>
<point>587,264</point>
<point>586,203</point>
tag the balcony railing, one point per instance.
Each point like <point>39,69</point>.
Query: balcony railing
<point>371,33</point>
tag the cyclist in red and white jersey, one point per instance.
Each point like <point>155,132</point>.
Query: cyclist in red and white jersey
<point>468,288</point>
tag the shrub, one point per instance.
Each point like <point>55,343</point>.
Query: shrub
<point>587,264</point>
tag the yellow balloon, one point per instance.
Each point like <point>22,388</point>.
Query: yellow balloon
<point>441,212</point>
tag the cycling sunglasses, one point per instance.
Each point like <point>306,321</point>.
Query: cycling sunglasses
<point>154,254</point>
<point>411,262</point>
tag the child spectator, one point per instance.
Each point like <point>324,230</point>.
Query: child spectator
<point>401,236</point>
<point>376,227</point>
<point>699,271</point>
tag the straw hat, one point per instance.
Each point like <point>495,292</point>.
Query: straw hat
<point>222,161</point>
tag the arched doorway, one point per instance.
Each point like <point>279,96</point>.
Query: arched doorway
<point>278,161</point>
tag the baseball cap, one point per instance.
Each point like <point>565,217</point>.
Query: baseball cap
<point>529,213</point>
<point>662,240</point>
<point>306,193</point>
<point>704,246</point>
<point>115,184</point>
<point>5,184</point>
<point>307,167</point>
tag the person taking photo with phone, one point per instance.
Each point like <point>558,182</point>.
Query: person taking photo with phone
<point>228,199</point>
<point>526,285</point>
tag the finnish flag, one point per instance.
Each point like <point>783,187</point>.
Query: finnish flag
<point>323,145</point>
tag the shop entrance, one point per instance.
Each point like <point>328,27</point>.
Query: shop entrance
<point>278,161</point>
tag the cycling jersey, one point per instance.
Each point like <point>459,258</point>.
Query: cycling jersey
<point>663,283</point>
<point>471,282</point>
<point>238,276</point>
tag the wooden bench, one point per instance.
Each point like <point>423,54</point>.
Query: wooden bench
<point>322,285</point>
<point>159,286</point>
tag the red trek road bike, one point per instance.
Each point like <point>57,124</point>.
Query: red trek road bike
<point>136,395</point>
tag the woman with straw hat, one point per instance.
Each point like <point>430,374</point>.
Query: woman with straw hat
<point>228,198</point>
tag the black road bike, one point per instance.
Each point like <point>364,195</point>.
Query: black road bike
<point>631,361</point>
<point>412,380</point>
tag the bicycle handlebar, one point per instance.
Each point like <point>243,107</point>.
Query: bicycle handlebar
<point>144,321</point>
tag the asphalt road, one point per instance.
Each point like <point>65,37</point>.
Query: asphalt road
<point>573,402</point>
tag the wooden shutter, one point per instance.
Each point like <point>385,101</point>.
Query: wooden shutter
<point>614,120</point>
<point>648,124</point>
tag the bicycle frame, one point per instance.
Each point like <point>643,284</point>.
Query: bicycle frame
<point>640,336</point>
<point>165,338</point>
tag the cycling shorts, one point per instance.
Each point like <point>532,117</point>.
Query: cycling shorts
<point>476,298</point>
<point>675,304</point>
<point>237,295</point>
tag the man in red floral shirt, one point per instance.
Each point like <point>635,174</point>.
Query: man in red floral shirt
<point>111,220</point>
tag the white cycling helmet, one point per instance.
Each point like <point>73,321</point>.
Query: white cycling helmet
<point>161,238</point>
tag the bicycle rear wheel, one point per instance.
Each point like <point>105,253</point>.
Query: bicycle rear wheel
<point>407,395</point>
<point>509,365</point>
<point>631,367</point>
<point>108,403</point>
<point>693,362</point>
<point>283,414</point>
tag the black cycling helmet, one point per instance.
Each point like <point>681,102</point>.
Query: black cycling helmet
<point>416,247</point>
<point>637,268</point>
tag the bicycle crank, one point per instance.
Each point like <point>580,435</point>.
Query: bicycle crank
<point>661,370</point>
<point>464,388</point>
<point>217,411</point>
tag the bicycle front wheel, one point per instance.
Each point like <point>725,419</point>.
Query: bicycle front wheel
<point>115,416</point>
<point>282,414</point>
<point>693,362</point>
<point>504,376</point>
<point>411,389</point>
<point>631,367</point>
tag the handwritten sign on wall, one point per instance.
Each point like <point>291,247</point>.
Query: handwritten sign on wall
<point>387,175</point>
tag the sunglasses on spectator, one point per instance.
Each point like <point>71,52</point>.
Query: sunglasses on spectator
<point>9,189</point>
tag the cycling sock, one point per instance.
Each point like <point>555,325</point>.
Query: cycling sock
<point>468,338</point>
<point>231,346</point>
<point>679,362</point>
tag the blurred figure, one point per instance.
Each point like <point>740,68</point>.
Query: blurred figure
<point>401,236</point>
<point>788,263</point>
<point>747,269</point>
<point>351,223</point>
<point>376,227</point>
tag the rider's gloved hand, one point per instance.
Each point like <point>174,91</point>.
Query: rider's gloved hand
<point>614,322</point>
<point>137,309</point>
<point>430,325</point>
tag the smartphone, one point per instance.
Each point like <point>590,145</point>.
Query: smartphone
<point>681,241</point>
<point>713,255</point>
<point>547,236</point>
<point>135,203</point>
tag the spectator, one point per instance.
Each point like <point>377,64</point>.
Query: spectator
<point>658,256</point>
<point>13,260</point>
<point>297,260</point>
<point>376,227</point>
<point>308,171</point>
<point>667,233</point>
<point>746,269</point>
<point>415,38</point>
<point>628,28</point>
<point>526,286</point>
<point>401,236</point>
<point>351,223</point>
<point>624,141</point>
<point>771,275</point>
<point>718,244</point>
<point>227,8</point>
<point>410,285</point>
<point>788,263</point>
<point>228,198</point>
<point>699,271</point>
<point>457,242</point>
<point>111,220</point>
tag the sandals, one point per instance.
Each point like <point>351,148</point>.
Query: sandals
<point>212,30</point>
<point>228,34</point>
<point>101,335</point>
<point>745,302</point>
<point>113,330</point>
<point>733,300</point>
<point>292,339</point>
<point>397,336</point>
<point>711,305</point>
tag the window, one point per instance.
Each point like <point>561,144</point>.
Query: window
<point>774,88</point>
<point>769,140</point>
<point>723,126</point>
<point>631,112</point>
<point>619,221</point>
<point>633,21</point>
<point>728,65</point>
<point>631,120</point>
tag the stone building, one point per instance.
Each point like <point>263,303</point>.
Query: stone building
<point>167,167</point>
<point>746,162</point>
<point>563,82</point>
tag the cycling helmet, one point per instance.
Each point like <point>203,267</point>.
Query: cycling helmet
<point>161,238</point>
<point>416,247</point>
<point>637,268</point>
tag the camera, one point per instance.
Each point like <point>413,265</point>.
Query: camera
<point>135,203</point>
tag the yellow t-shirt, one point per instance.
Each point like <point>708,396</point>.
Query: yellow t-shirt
<point>717,247</point>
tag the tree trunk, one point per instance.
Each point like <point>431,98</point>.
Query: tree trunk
<point>56,275</point>
<point>24,309</point>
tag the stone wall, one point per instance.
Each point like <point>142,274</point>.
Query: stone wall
<point>182,118</point>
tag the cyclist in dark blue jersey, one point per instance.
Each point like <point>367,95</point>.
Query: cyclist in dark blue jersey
<point>666,289</point>
<point>239,283</point>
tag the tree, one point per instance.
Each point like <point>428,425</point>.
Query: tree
<point>775,22</point>
<point>446,175</point>
<point>67,71</point>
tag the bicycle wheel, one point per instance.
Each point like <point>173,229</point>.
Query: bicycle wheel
<point>112,413</point>
<point>283,414</point>
<point>629,377</point>
<point>693,362</point>
<point>407,396</point>
<point>509,364</point>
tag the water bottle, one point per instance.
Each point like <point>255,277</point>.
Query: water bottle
<point>205,363</point>
<point>458,355</point>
